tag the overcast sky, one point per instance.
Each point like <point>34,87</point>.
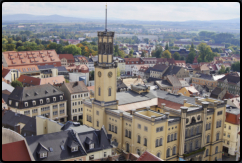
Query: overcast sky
<point>161,11</point>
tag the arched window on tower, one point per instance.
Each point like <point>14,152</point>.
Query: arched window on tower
<point>99,91</point>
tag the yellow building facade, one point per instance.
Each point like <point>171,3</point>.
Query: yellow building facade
<point>167,132</point>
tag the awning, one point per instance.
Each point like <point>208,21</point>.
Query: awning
<point>181,159</point>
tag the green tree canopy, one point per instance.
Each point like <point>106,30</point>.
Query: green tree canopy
<point>166,47</point>
<point>118,72</point>
<point>222,70</point>
<point>158,52</point>
<point>236,66</point>
<point>205,53</point>
<point>176,56</point>
<point>166,54</point>
<point>72,49</point>
<point>16,83</point>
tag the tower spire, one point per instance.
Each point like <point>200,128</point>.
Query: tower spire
<point>106,19</point>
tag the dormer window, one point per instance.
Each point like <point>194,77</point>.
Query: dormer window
<point>47,100</point>
<point>91,146</point>
<point>10,102</point>
<point>16,104</point>
<point>26,104</point>
<point>61,97</point>
<point>74,149</point>
<point>43,155</point>
<point>54,98</point>
<point>34,102</point>
<point>41,101</point>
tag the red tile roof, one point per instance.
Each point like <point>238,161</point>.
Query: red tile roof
<point>228,95</point>
<point>25,68</point>
<point>232,118</point>
<point>91,88</point>
<point>37,81</point>
<point>146,156</point>
<point>169,104</point>
<point>5,72</point>
<point>81,68</point>
<point>16,151</point>
<point>29,80</point>
<point>38,57</point>
<point>68,57</point>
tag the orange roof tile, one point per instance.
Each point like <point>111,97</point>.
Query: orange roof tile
<point>26,68</point>
<point>169,104</point>
<point>16,151</point>
<point>69,57</point>
<point>91,88</point>
<point>5,72</point>
<point>232,118</point>
<point>53,80</point>
<point>29,80</point>
<point>14,58</point>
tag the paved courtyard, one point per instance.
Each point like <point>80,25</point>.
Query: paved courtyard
<point>228,158</point>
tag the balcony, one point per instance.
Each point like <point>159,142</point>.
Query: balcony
<point>194,153</point>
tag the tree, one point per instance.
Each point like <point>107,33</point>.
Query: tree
<point>227,70</point>
<point>158,52</point>
<point>182,58</point>
<point>91,75</point>
<point>222,70</point>
<point>176,56</point>
<point>122,54</point>
<point>131,52</point>
<point>166,54</point>
<point>166,47</point>
<point>10,47</point>
<point>146,40</point>
<point>72,49</point>
<point>236,66</point>
<point>190,57</point>
<point>205,53</point>
<point>66,80</point>
<point>16,83</point>
<point>118,72</point>
<point>142,53</point>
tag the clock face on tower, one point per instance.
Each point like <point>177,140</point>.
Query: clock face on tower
<point>99,74</point>
<point>110,74</point>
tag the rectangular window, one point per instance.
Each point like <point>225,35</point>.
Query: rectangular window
<point>109,91</point>
<point>97,112</point>
<point>27,112</point>
<point>115,129</point>
<point>109,127</point>
<point>47,100</point>
<point>62,105</point>
<point>34,102</point>
<point>34,110</point>
<point>62,111</point>
<point>55,112</point>
<point>112,128</point>
<point>139,126</point>
<point>55,106</point>
<point>130,134</point>
<point>99,91</point>
<point>54,98</point>
<point>146,128</point>
<point>97,123</point>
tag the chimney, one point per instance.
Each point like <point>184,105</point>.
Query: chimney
<point>17,128</point>
<point>184,101</point>
<point>167,114</point>
<point>132,112</point>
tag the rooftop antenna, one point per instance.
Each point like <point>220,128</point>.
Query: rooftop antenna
<point>106,19</point>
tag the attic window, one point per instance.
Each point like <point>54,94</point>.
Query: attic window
<point>43,155</point>
<point>91,146</point>
<point>54,90</point>
<point>61,97</point>
<point>74,149</point>
<point>35,93</point>
<point>27,94</point>
<point>34,102</point>
<point>16,104</point>
<point>26,104</point>
<point>41,101</point>
<point>46,91</point>
<point>54,98</point>
<point>10,102</point>
<point>47,100</point>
